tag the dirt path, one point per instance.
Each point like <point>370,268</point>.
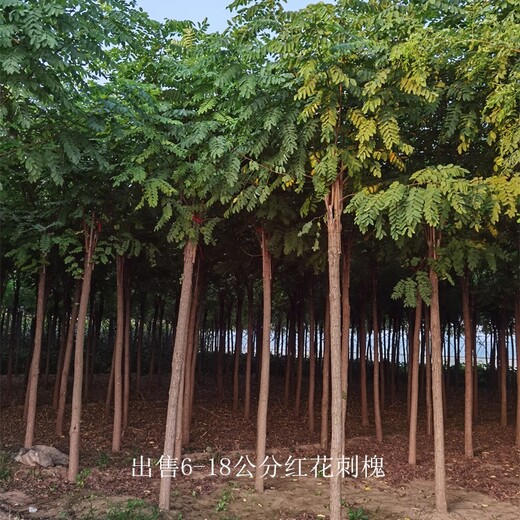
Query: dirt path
<point>284,499</point>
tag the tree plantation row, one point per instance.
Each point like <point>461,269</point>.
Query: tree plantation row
<point>338,186</point>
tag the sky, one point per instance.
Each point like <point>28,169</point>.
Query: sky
<point>196,10</point>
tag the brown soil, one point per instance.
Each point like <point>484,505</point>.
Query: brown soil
<point>486,487</point>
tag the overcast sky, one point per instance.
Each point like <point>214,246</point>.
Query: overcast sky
<point>196,10</point>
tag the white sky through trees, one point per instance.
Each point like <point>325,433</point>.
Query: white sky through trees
<point>196,10</point>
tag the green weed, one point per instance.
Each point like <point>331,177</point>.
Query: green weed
<point>357,514</point>
<point>5,467</point>
<point>134,509</point>
<point>82,477</point>
<point>103,460</point>
<point>225,498</point>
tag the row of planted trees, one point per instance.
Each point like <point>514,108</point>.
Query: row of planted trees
<point>371,145</point>
<point>222,321</point>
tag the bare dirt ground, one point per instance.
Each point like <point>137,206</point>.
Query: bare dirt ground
<point>486,487</point>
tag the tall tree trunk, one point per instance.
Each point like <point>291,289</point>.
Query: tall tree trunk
<point>238,351</point>
<point>263,397</point>
<point>178,366</point>
<point>75,421</point>
<point>249,355</point>
<point>118,355</point>
<point>502,353</point>
<point>345,322</point>
<point>32,389</point>
<point>289,354</point>
<point>362,338</point>
<point>299,368</point>
<point>325,384</point>
<point>189,376</point>
<point>429,403</point>
<point>13,339</point>
<point>438,413</point>
<point>412,439</point>
<point>517,339</point>
<point>334,207</point>
<point>139,344</point>
<point>312,361</point>
<point>468,369</point>
<point>153,343</point>
<point>221,348</point>
<point>59,366</point>
<point>377,394</point>
<point>52,323</point>
<point>64,377</point>
<point>126,351</point>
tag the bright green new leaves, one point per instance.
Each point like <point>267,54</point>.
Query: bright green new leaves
<point>437,196</point>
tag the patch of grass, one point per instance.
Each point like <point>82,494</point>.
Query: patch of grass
<point>357,514</point>
<point>103,460</point>
<point>134,509</point>
<point>5,467</point>
<point>225,498</point>
<point>82,477</point>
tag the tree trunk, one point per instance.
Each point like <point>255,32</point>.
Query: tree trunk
<point>189,376</point>
<point>438,413</point>
<point>64,377</point>
<point>299,368</point>
<point>362,338</point>
<point>517,338</point>
<point>238,351</point>
<point>118,355</point>
<point>178,365</point>
<point>325,385</point>
<point>247,397</point>
<point>139,344</point>
<point>289,354</point>
<point>334,207</point>
<point>221,348</point>
<point>345,323</point>
<point>153,343</point>
<point>263,397</point>
<point>75,421</point>
<point>468,369</point>
<point>412,446</point>
<point>502,353</point>
<point>377,395</point>
<point>429,404</point>
<point>32,388</point>
<point>312,361</point>
<point>14,329</point>
<point>126,351</point>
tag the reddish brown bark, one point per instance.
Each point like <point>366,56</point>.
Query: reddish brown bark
<point>238,351</point>
<point>263,397</point>
<point>118,356</point>
<point>75,422</point>
<point>178,366</point>
<point>345,322</point>
<point>468,370</point>
<point>438,412</point>
<point>377,395</point>
<point>64,378</point>
<point>247,397</point>
<point>412,439</point>
<point>32,388</point>
<point>312,363</point>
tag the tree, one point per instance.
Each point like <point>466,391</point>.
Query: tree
<point>440,198</point>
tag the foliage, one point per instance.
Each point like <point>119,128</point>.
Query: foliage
<point>134,509</point>
<point>82,477</point>
<point>5,467</point>
<point>225,498</point>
